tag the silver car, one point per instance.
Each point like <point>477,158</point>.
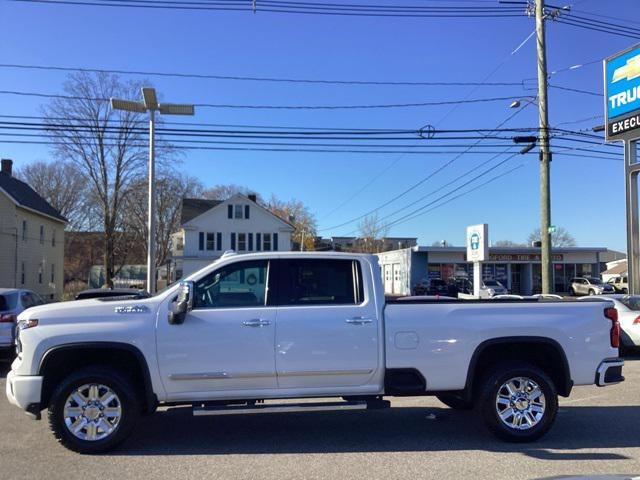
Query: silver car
<point>589,286</point>
<point>628,307</point>
<point>12,302</point>
<point>491,288</point>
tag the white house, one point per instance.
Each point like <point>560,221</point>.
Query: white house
<point>210,227</point>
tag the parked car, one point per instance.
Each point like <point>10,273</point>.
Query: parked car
<point>249,329</point>
<point>13,301</point>
<point>619,284</point>
<point>589,286</point>
<point>490,288</point>
<point>112,292</point>
<point>459,285</point>
<point>433,286</point>
<point>628,307</point>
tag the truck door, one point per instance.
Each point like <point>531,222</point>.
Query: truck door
<point>327,332</point>
<point>226,342</point>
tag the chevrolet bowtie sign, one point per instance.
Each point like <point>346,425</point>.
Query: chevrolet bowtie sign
<point>622,95</point>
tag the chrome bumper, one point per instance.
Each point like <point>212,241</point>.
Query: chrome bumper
<point>609,372</point>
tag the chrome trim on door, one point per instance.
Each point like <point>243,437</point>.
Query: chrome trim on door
<point>256,322</point>
<point>217,375</point>
<point>324,372</point>
<point>358,320</point>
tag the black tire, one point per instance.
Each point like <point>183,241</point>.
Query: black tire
<point>488,393</point>
<point>119,384</point>
<point>592,292</point>
<point>625,291</point>
<point>455,401</point>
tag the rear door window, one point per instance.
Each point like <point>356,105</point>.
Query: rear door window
<point>319,282</point>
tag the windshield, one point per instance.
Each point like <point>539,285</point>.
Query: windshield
<point>492,283</point>
<point>632,302</point>
<point>594,281</point>
<point>8,301</point>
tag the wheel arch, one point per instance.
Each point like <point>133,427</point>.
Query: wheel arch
<point>57,363</point>
<point>543,352</point>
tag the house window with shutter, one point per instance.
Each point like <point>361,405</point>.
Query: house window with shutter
<point>210,241</point>
<point>238,212</point>
<point>266,242</point>
<point>242,242</point>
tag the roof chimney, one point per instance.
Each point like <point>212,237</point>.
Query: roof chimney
<point>7,166</point>
<point>252,196</point>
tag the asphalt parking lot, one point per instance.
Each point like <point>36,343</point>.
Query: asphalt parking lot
<point>597,432</point>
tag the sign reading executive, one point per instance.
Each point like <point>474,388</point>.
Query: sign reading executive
<point>622,95</point>
<point>477,243</point>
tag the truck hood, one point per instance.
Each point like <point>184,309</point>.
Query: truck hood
<point>89,310</point>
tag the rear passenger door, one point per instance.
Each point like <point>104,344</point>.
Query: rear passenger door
<point>327,326</point>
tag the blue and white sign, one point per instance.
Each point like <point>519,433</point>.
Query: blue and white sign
<point>477,243</point>
<point>622,94</point>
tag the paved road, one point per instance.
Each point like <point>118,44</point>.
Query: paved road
<point>597,432</point>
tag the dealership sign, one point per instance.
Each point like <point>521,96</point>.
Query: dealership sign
<point>622,95</point>
<point>478,243</point>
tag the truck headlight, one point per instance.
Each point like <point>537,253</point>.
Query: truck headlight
<point>24,324</point>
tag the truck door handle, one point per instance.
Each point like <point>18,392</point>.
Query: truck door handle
<point>256,322</point>
<point>358,320</point>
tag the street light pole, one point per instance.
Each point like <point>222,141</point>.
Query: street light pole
<point>545,154</point>
<point>151,235</point>
<point>150,104</point>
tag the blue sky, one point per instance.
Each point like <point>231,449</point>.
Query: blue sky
<point>587,193</point>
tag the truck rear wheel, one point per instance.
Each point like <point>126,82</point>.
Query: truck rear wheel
<point>93,410</point>
<point>518,402</point>
<point>455,401</point>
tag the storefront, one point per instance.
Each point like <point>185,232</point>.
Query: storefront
<point>518,269</point>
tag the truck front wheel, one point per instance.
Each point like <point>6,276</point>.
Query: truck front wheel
<point>93,410</point>
<point>518,402</point>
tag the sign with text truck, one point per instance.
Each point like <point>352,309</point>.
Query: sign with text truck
<point>622,95</point>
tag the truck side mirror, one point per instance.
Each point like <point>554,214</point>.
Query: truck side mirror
<point>182,305</point>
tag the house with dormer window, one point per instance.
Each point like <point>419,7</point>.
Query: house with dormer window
<point>211,227</point>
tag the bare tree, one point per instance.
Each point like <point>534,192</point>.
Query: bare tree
<point>371,232</point>
<point>107,147</point>
<point>171,188</point>
<point>507,243</point>
<point>223,192</point>
<point>64,187</point>
<point>298,214</point>
<point>560,238</point>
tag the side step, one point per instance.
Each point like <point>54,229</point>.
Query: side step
<point>284,407</point>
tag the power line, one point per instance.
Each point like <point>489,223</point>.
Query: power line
<point>299,8</point>
<point>255,79</point>
<point>282,107</point>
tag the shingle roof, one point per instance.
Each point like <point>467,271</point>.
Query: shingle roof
<point>27,197</point>
<point>193,207</point>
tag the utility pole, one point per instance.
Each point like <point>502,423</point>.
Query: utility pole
<point>545,154</point>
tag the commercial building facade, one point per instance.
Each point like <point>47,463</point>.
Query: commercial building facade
<point>517,268</point>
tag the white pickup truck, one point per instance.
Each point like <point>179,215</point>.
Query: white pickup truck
<point>251,329</point>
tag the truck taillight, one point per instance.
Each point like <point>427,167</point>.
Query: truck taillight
<point>637,320</point>
<point>8,318</point>
<point>612,314</point>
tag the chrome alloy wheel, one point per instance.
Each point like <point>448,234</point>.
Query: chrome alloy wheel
<point>520,403</point>
<point>92,412</point>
